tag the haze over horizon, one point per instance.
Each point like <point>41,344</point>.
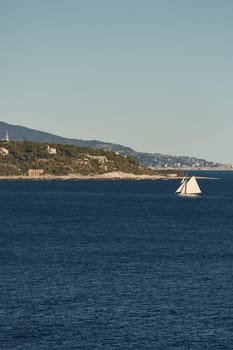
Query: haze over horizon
<point>152,75</point>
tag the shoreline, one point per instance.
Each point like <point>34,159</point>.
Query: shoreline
<point>106,176</point>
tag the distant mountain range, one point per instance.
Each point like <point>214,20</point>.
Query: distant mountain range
<point>154,160</point>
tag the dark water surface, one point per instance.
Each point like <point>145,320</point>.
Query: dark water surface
<point>116,265</point>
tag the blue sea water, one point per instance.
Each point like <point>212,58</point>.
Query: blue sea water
<point>116,265</point>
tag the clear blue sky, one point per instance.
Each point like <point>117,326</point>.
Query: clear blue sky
<point>155,75</point>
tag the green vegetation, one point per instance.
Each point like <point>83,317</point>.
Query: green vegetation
<point>68,159</point>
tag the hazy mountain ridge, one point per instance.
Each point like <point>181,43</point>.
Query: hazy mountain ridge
<point>155,160</point>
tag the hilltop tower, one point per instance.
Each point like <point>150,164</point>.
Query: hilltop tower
<point>7,139</point>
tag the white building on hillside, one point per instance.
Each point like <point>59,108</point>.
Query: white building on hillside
<point>4,151</point>
<point>51,150</point>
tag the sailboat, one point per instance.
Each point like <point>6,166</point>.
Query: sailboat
<point>188,187</point>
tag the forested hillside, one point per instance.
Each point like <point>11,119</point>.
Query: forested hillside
<point>16,158</point>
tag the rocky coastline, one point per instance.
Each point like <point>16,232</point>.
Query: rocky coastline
<point>106,176</point>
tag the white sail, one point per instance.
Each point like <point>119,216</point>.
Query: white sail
<point>192,186</point>
<point>189,186</point>
<point>180,188</point>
